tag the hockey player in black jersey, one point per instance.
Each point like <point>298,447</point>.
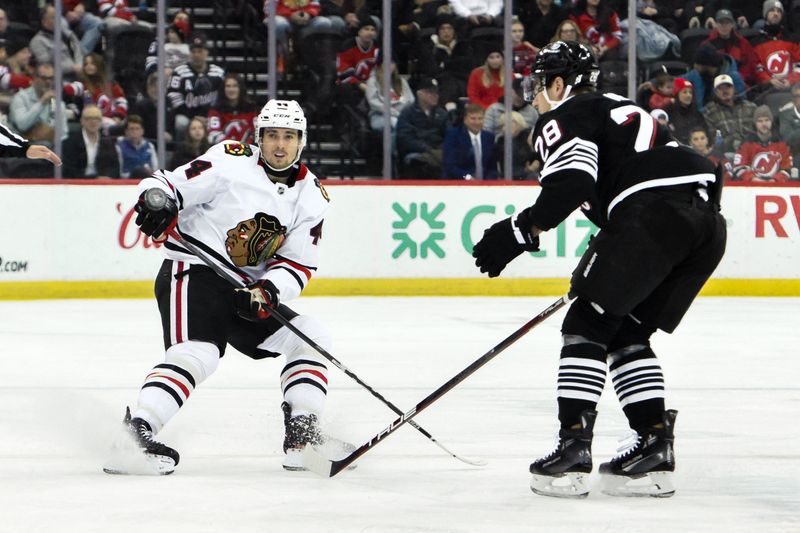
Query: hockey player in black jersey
<point>661,236</point>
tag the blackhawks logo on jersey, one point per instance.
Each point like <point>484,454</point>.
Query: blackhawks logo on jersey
<point>255,240</point>
<point>238,149</point>
<point>322,190</point>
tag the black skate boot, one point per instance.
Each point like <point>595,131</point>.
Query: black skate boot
<point>303,430</point>
<point>300,431</point>
<point>644,465</point>
<point>565,471</point>
<point>158,458</point>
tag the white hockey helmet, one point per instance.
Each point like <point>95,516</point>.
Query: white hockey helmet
<point>281,114</point>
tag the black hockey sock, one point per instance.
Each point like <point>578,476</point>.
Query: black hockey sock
<point>581,377</point>
<point>639,384</point>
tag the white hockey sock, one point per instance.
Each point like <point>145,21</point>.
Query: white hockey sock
<point>170,384</point>
<point>304,381</point>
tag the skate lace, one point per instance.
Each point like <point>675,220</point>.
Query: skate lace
<point>627,444</point>
<point>556,447</point>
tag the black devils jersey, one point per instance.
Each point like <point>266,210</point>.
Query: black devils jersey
<point>596,149</point>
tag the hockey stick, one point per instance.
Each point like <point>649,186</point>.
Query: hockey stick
<point>325,467</point>
<point>152,200</point>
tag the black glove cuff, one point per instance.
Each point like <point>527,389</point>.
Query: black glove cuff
<point>521,226</point>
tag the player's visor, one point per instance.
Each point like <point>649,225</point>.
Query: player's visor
<point>531,86</point>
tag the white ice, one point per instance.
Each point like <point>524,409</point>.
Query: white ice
<point>68,368</point>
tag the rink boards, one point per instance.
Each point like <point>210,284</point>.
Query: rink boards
<point>77,239</point>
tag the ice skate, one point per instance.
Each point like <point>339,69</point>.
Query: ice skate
<point>303,430</point>
<point>564,473</point>
<point>139,453</point>
<point>644,464</point>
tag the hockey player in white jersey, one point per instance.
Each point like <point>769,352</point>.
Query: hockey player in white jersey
<point>258,213</point>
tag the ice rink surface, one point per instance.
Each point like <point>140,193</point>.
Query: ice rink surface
<point>68,368</point>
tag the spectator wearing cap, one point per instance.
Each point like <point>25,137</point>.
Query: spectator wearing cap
<point>777,53</point>
<point>708,64</point>
<point>355,62</point>
<point>789,120</point>
<point>728,41</point>
<point>421,128</point>
<point>194,87</point>
<point>468,150</point>
<point>492,121</point>
<point>176,49</point>
<point>729,114</point>
<point>448,59</point>
<point>600,24</point>
<point>44,48</point>
<point>541,19</point>
<point>661,117</point>
<point>763,156</point>
<point>84,23</point>
<point>346,16</point>
<point>683,113</point>
<point>486,83</point>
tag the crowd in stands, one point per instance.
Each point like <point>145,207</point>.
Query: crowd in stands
<point>730,91</point>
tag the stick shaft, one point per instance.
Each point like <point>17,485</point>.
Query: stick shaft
<point>305,338</point>
<point>338,466</point>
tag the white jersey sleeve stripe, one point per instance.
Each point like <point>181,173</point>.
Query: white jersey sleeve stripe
<point>576,154</point>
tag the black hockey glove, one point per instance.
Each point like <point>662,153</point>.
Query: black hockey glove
<point>254,302</point>
<point>157,211</point>
<point>501,244</point>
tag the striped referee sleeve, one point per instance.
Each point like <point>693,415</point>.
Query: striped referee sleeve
<point>11,144</point>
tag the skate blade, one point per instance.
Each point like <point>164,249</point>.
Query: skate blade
<point>569,485</point>
<point>652,484</point>
<point>128,458</point>
<point>332,449</point>
<point>139,464</point>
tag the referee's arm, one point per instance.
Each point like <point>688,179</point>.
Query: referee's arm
<point>12,145</point>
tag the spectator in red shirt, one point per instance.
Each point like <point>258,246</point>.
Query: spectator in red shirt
<point>232,118</point>
<point>727,40</point>
<point>600,24</point>
<point>355,63</point>
<point>778,55</point>
<point>763,157</point>
<point>662,95</point>
<point>524,52</point>
<point>293,15</point>
<point>103,93</point>
<point>486,84</point>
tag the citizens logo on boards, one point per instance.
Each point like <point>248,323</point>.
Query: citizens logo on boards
<point>412,237</point>
<point>424,230</point>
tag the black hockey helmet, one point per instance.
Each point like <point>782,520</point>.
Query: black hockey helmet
<point>570,60</point>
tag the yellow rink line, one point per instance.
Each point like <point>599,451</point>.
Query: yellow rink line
<point>38,290</point>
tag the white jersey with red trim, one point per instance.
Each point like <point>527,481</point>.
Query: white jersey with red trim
<point>229,208</point>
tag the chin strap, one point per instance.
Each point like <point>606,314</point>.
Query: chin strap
<point>553,103</point>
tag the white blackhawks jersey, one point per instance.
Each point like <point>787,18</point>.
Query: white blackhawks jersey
<point>229,208</point>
